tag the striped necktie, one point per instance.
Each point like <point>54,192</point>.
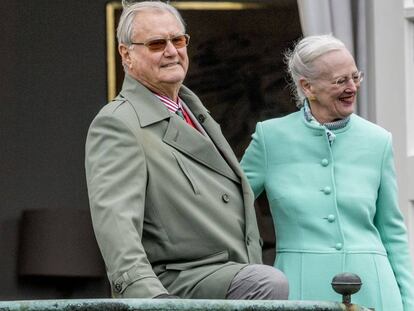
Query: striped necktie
<point>175,107</point>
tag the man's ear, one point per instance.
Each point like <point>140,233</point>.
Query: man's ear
<point>125,55</point>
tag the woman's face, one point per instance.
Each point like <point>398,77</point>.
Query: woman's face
<point>332,94</point>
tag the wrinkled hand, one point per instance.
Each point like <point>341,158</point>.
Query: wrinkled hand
<point>166,296</point>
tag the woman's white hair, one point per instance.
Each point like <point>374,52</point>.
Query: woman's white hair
<point>300,60</point>
<point>125,26</point>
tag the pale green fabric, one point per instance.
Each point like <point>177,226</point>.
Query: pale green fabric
<point>334,208</point>
<point>171,208</point>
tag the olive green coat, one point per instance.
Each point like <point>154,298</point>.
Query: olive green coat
<point>171,208</point>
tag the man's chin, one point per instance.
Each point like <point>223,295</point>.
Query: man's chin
<point>173,79</point>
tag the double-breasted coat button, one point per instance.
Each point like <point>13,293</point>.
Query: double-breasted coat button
<point>327,190</point>
<point>338,246</point>
<point>324,162</point>
<point>331,218</point>
<point>201,118</point>
<point>248,240</point>
<point>225,197</point>
<point>118,287</point>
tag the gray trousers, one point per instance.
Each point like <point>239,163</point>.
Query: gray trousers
<point>259,282</point>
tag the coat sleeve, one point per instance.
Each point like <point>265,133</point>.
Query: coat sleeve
<point>254,161</point>
<point>389,221</point>
<point>116,176</point>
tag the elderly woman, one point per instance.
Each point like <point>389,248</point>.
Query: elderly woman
<point>330,182</point>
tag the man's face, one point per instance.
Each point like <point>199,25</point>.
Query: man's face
<point>159,70</point>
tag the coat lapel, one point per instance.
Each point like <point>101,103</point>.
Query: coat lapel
<point>192,143</point>
<point>178,134</point>
<point>212,128</point>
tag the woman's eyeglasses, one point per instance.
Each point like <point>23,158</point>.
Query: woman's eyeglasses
<point>356,77</point>
<point>158,45</point>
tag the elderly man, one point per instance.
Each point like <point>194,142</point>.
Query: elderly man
<point>172,211</point>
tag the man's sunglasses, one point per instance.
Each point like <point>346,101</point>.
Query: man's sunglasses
<point>158,45</point>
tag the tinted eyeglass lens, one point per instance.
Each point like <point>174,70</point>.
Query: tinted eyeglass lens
<point>157,45</point>
<point>179,42</point>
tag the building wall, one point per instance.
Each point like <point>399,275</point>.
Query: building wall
<point>390,93</point>
<point>409,116</point>
<point>52,83</point>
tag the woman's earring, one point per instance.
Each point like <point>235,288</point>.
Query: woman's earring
<point>312,98</point>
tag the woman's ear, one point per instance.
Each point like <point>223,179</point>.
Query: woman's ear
<point>306,87</point>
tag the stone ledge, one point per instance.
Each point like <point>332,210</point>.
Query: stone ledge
<point>173,304</point>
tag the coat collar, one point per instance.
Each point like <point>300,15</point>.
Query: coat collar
<point>318,128</point>
<point>148,107</point>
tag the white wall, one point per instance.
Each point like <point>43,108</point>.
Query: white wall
<point>409,75</point>
<point>390,91</point>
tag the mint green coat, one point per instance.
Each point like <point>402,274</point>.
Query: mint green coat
<point>334,208</point>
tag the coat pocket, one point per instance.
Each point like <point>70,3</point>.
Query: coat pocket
<point>187,173</point>
<point>220,257</point>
